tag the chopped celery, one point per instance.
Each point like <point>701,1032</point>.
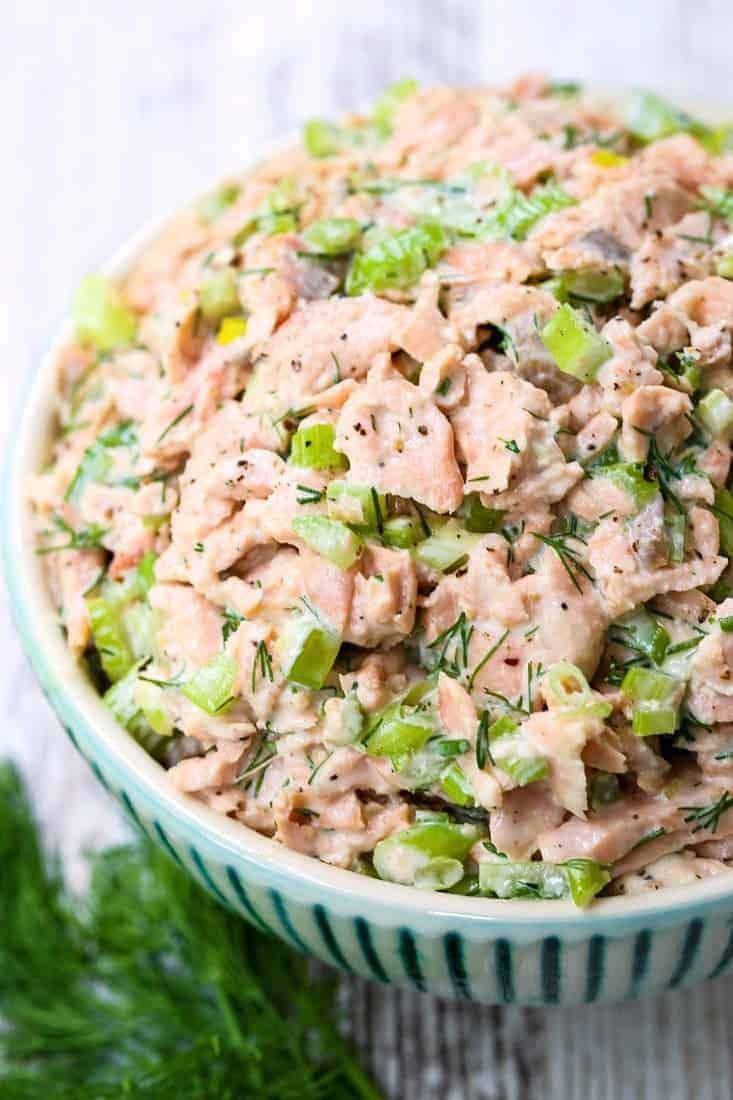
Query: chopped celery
<point>655,696</point>
<point>389,103</point>
<point>509,753</point>
<point>231,329</point>
<point>402,532</point>
<point>650,118</point>
<point>723,511</point>
<point>446,547</point>
<point>313,447</point>
<point>587,286</point>
<point>352,722</point>
<point>715,413</point>
<point>146,571</point>
<point>360,506</point>
<point>518,213</point>
<point>332,236</point>
<point>332,540</point>
<point>212,206</point>
<point>151,700</point>
<point>218,295</point>
<point>121,702</point>
<point>567,691</point>
<point>724,266</point>
<point>308,648</point>
<point>456,786</point>
<point>110,636</point>
<point>101,316</point>
<point>675,526</point>
<point>478,519</point>
<point>397,259</point>
<point>579,879</point>
<point>400,730</point>
<point>574,344</point>
<point>400,856</point>
<point>321,138</point>
<point>628,476</point>
<point>440,873</point>
<point>212,686</point>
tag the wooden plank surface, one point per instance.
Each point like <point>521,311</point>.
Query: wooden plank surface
<point>112,113</point>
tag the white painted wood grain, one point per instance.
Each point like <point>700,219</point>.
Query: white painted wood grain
<point>112,113</point>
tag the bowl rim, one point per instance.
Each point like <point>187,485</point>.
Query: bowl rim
<point>37,623</point>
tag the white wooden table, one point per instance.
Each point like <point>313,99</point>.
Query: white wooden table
<point>111,113</point>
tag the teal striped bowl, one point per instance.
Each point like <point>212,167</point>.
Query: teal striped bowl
<point>497,952</point>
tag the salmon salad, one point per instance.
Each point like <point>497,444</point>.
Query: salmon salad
<point>389,505</point>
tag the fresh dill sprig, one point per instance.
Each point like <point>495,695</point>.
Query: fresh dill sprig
<point>262,664</point>
<point>232,619</point>
<point>708,817</point>
<point>87,538</point>
<point>568,555</point>
<point>457,636</point>
<point>148,988</point>
<point>305,494</point>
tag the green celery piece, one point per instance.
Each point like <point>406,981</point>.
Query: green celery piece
<point>445,548</point>
<point>149,697</point>
<point>146,985</point>
<point>650,721</point>
<point>313,447</point>
<point>321,138</point>
<point>641,631</point>
<point>723,510</point>
<point>654,695</point>
<point>715,412</point>
<point>397,260</point>
<point>218,296</point>
<point>401,730</point>
<point>675,526</point>
<point>332,236</point>
<point>308,648</point>
<point>578,879</point>
<point>100,315</point>
<point>724,266</point>
<point>121,700</point>
<point>213,205</point>
<point>518,213</point>
<point>212,686</point>
<point>401,855</point>
<point>402,532</point>
<point>650,118</point>
<point>628,476</point>
<point>440,873</point>
<point>507,752</point>
<point>389,103</point>
<point>478,519</point>
<point>332,540</point>
<point>456,786</point>
<point>587,286</point>
<point>110,636</point>
<point>361,506</point>
<point>575,345</point>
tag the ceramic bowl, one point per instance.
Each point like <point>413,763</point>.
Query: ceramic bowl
<point>496,952</point>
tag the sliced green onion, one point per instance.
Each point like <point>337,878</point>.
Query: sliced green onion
<point>402,532</point>
<point>568,691</point>
<point>586,286</point>
<point>308,648</point>
<point>446,547</point>
<point>642,633</point>
<point>218,295</point>
<point>313,447</point>
<point>101,316</point>
<point>332,236</point>
<point>724,266</point>
<point>332,540</point>
<point>675,526</point>
<point>397,259</point>
<point>231,329</point>
<point>360,506</point>
<point>575,345</point>
<point>723,510</point>
<point>456,786</point>
<point>321,138</point>
<point>579,879</point>
<point>400,856</point>
<point>715,413</point>
<point>212,686</point>
<point>212,206</point>
<point>389,102</point>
